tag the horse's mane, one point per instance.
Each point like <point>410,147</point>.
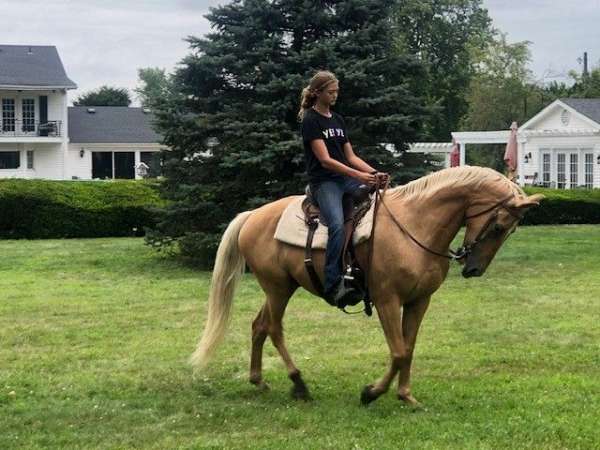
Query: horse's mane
<point>472,176</point>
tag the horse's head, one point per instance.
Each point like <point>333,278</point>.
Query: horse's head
<point>488,228</point>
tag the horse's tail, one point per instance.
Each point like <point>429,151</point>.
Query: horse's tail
<point>229,267</point>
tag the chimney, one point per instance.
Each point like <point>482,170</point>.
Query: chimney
<point>585,65</point>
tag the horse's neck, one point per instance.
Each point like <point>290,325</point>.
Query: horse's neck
<point>434,219</point>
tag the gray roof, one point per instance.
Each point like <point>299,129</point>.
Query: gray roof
<point>32,65</point>
<point>589,107</point>
<point>111,124</point>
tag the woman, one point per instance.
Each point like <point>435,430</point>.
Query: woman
<point>333,170</point>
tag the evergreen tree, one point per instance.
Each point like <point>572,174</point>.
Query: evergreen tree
<point>444,34</point>
<point>104,96</point>
<point>231,119</point>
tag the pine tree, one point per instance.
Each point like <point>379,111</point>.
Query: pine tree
<point>231,119</point>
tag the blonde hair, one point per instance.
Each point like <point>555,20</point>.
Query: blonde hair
<point>318,82</point>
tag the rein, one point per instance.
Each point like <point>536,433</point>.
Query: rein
<point>461,252</point>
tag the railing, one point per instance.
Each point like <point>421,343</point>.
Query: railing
<point>12,127</point>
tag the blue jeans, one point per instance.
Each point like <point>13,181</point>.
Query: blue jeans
<point>329,197</point>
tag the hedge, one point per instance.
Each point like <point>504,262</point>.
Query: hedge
<point>562,206</point>
<point>35,209</point>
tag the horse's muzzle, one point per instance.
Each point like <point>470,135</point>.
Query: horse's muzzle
<point>470,271</point>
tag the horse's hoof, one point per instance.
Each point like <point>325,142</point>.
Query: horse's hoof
<point>260,385</point>
<point>300,393</point>
<point>409,400</point>
<point>367,396</point>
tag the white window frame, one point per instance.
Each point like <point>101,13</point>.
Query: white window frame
<point>580,151</point>
<point>28,120</point>
<point>3,114</point>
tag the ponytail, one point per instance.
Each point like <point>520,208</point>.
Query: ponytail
<point>309,94</point>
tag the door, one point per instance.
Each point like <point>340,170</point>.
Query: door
<point>102,165</point>
<point>567,169</point>
<point>125,165</point>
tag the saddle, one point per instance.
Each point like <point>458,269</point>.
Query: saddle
<point>355,207</point>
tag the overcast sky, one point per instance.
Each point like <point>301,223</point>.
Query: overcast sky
<point>105,42</point>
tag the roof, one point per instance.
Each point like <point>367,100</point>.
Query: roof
<point>111,124</point>
<point>589,107</point>
<point>32,66</point>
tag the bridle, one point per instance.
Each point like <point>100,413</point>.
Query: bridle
<point>485,231</point>
<point>464,251</point>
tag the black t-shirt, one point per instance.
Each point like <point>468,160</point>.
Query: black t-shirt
<point>332,130</point>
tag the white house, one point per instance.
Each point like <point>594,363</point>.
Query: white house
<point>41,137</point>
<point>558,147</point>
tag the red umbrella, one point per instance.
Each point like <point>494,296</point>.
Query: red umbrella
<point>510,154</point>
<point>454,155</point>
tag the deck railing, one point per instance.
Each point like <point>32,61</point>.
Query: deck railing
<point>13,127</point>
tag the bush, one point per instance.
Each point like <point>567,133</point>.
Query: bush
<point>564,207</point>
<point>35,209</point>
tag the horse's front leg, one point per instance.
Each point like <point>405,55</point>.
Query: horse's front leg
<point>390,316</point>
<point>412,315</point>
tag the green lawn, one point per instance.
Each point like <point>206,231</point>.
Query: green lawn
<point>95,334</point>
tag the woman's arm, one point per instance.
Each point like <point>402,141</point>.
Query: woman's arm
<point>320,150</point>
<point>355,161</point>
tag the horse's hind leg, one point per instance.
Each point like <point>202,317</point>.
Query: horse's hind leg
<point>269,322</point>
<point>260,328</point>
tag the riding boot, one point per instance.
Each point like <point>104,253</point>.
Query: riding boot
<point>342,295</point>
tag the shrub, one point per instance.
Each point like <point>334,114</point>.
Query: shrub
<point>67,209</point>
<point>565,207</point>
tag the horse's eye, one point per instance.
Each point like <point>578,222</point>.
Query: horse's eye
<point>498,228</point>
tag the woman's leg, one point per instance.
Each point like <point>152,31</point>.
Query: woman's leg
<point>329,196</point>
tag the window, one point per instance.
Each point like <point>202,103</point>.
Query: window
<point>573,170</point>
<point>30,159</point>
<point>10,160</point>
<point>8,114</point>
<point>589,170</point>
<point>546,169</point>
<point>28,114</point>
<point>560,171</point>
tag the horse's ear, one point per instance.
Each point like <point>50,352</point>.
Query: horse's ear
<point>527,202</point>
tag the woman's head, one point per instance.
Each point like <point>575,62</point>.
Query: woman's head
<point>323,87</point>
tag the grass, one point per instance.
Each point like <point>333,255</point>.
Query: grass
<point>95,334</point>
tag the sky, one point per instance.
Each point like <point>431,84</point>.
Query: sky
<point>105,42</point>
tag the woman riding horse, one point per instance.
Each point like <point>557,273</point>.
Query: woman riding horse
<point>410,262</point>
<point>333,170</point>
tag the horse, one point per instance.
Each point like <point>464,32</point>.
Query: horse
<point>409,262</point>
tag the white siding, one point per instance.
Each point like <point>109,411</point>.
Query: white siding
<point>47,161</point>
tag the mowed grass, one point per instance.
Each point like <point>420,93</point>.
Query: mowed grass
<point>95,336</point>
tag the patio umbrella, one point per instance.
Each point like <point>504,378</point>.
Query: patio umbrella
<point>510,154</point>
<point>454,155</point>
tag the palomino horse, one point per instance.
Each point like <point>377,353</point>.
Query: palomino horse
<point>404,273</point>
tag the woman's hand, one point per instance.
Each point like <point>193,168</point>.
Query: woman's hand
<point>382,177</point>
<point>366,178</point>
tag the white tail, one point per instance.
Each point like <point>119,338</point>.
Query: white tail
<point>229,267</point>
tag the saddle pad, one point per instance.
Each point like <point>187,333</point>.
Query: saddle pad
<point>292,229</point>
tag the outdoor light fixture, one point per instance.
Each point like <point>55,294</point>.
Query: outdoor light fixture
<point>598,159</point>
<point>527,157</point>
<point>81,153</point>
